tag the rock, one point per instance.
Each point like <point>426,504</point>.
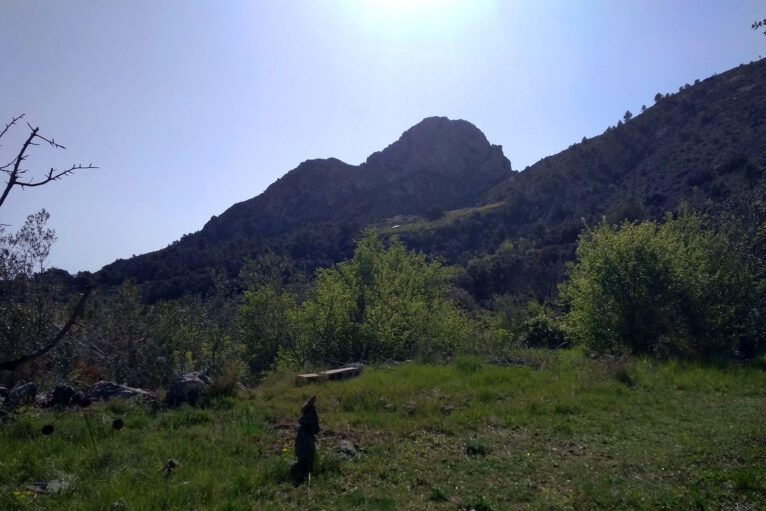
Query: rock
<point>43,400</point>
<point>21,394</point>
<point>118,505</point>
<point>105,390</point>
<point>346,449</point>
<point>410,408</point>
<point>63,396</point>
<point>52,486</point>
<point>169,466</point>
<point>187,388</point>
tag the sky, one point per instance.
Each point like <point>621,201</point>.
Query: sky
<point>189,106</point>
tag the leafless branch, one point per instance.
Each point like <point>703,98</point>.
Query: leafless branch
<point>7,126</point>
<point>12,365</point>
<point>54,174</point>
<point>16,172</point>
<point>50,141</point>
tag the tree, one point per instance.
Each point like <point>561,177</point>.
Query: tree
<point>27,249</point>
<point>24,321</point>
<point>628,115</point>
<point>663,289</point>
<point>269,321</point>
<point>657,97</point>
<point>384,303</point>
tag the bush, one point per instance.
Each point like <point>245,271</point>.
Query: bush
<point>662,289</point>
<point>384,303</point>
<point>268,321</point>
<point>540,331</point>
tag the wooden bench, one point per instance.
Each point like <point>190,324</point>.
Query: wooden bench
<point>344,373</point>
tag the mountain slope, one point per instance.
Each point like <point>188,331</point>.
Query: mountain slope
<point>436,162</point>
<point>705,144</point>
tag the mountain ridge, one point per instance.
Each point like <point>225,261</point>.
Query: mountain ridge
<point>403,178</point>
<point>704,144</point>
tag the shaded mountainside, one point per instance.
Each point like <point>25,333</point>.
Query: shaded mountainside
<point>438,162</point>
<point>313,213</point>
<point>705,145</point>
<point>444,189</point>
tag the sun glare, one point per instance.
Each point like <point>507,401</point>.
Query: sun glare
<point>407,5</point>
<point>413,17</point>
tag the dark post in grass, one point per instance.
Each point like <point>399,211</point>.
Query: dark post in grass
<point>305,442</point>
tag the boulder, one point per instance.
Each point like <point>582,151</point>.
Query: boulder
<point>187,388</point>
<point>53,486</point>
<point>20,394</point>
<point>346,449</point>
<point>63,396</point>
<point>105,390</point>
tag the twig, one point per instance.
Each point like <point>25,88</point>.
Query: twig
<point>13,121</point>
<point>17,172</point>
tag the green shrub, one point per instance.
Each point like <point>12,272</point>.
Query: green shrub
<point>476,447</point>
<point>541,331</point>
<point>438,495</point>
<point>384,303</point>
<point>663,289</point>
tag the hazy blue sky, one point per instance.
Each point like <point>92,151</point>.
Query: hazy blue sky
<point>191,106</point>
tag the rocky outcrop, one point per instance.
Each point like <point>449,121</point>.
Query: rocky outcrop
<point>449,163</point>
<point>187,388</point>
<point>105,390</point>
<point>21,394</point>
<point>62,396</point>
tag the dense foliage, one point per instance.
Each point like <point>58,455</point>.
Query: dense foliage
<point>31,304</point>
<point>384,303</point>
<point>674,288</point>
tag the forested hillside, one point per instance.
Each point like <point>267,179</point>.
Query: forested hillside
<point>445,190</point>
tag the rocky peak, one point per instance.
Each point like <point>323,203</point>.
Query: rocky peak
<point>442,146</point>
<point>437,162</point>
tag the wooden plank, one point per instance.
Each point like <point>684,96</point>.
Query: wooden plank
<point>302,379</point>
<point>343,373</point>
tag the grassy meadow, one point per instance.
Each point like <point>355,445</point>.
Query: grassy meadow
<point>563,432</point>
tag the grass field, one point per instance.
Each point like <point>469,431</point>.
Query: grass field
<point>576,434</point>
<point>449,217</point>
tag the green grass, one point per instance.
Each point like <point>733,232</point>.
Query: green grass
<point>449,217</point>
<point>578,434</point>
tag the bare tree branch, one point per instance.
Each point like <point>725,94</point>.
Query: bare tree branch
<point>7,126</point>
<point>11,365</point>
<point>15,173</point>
<point>12,179</point>
<point>53,175</point>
